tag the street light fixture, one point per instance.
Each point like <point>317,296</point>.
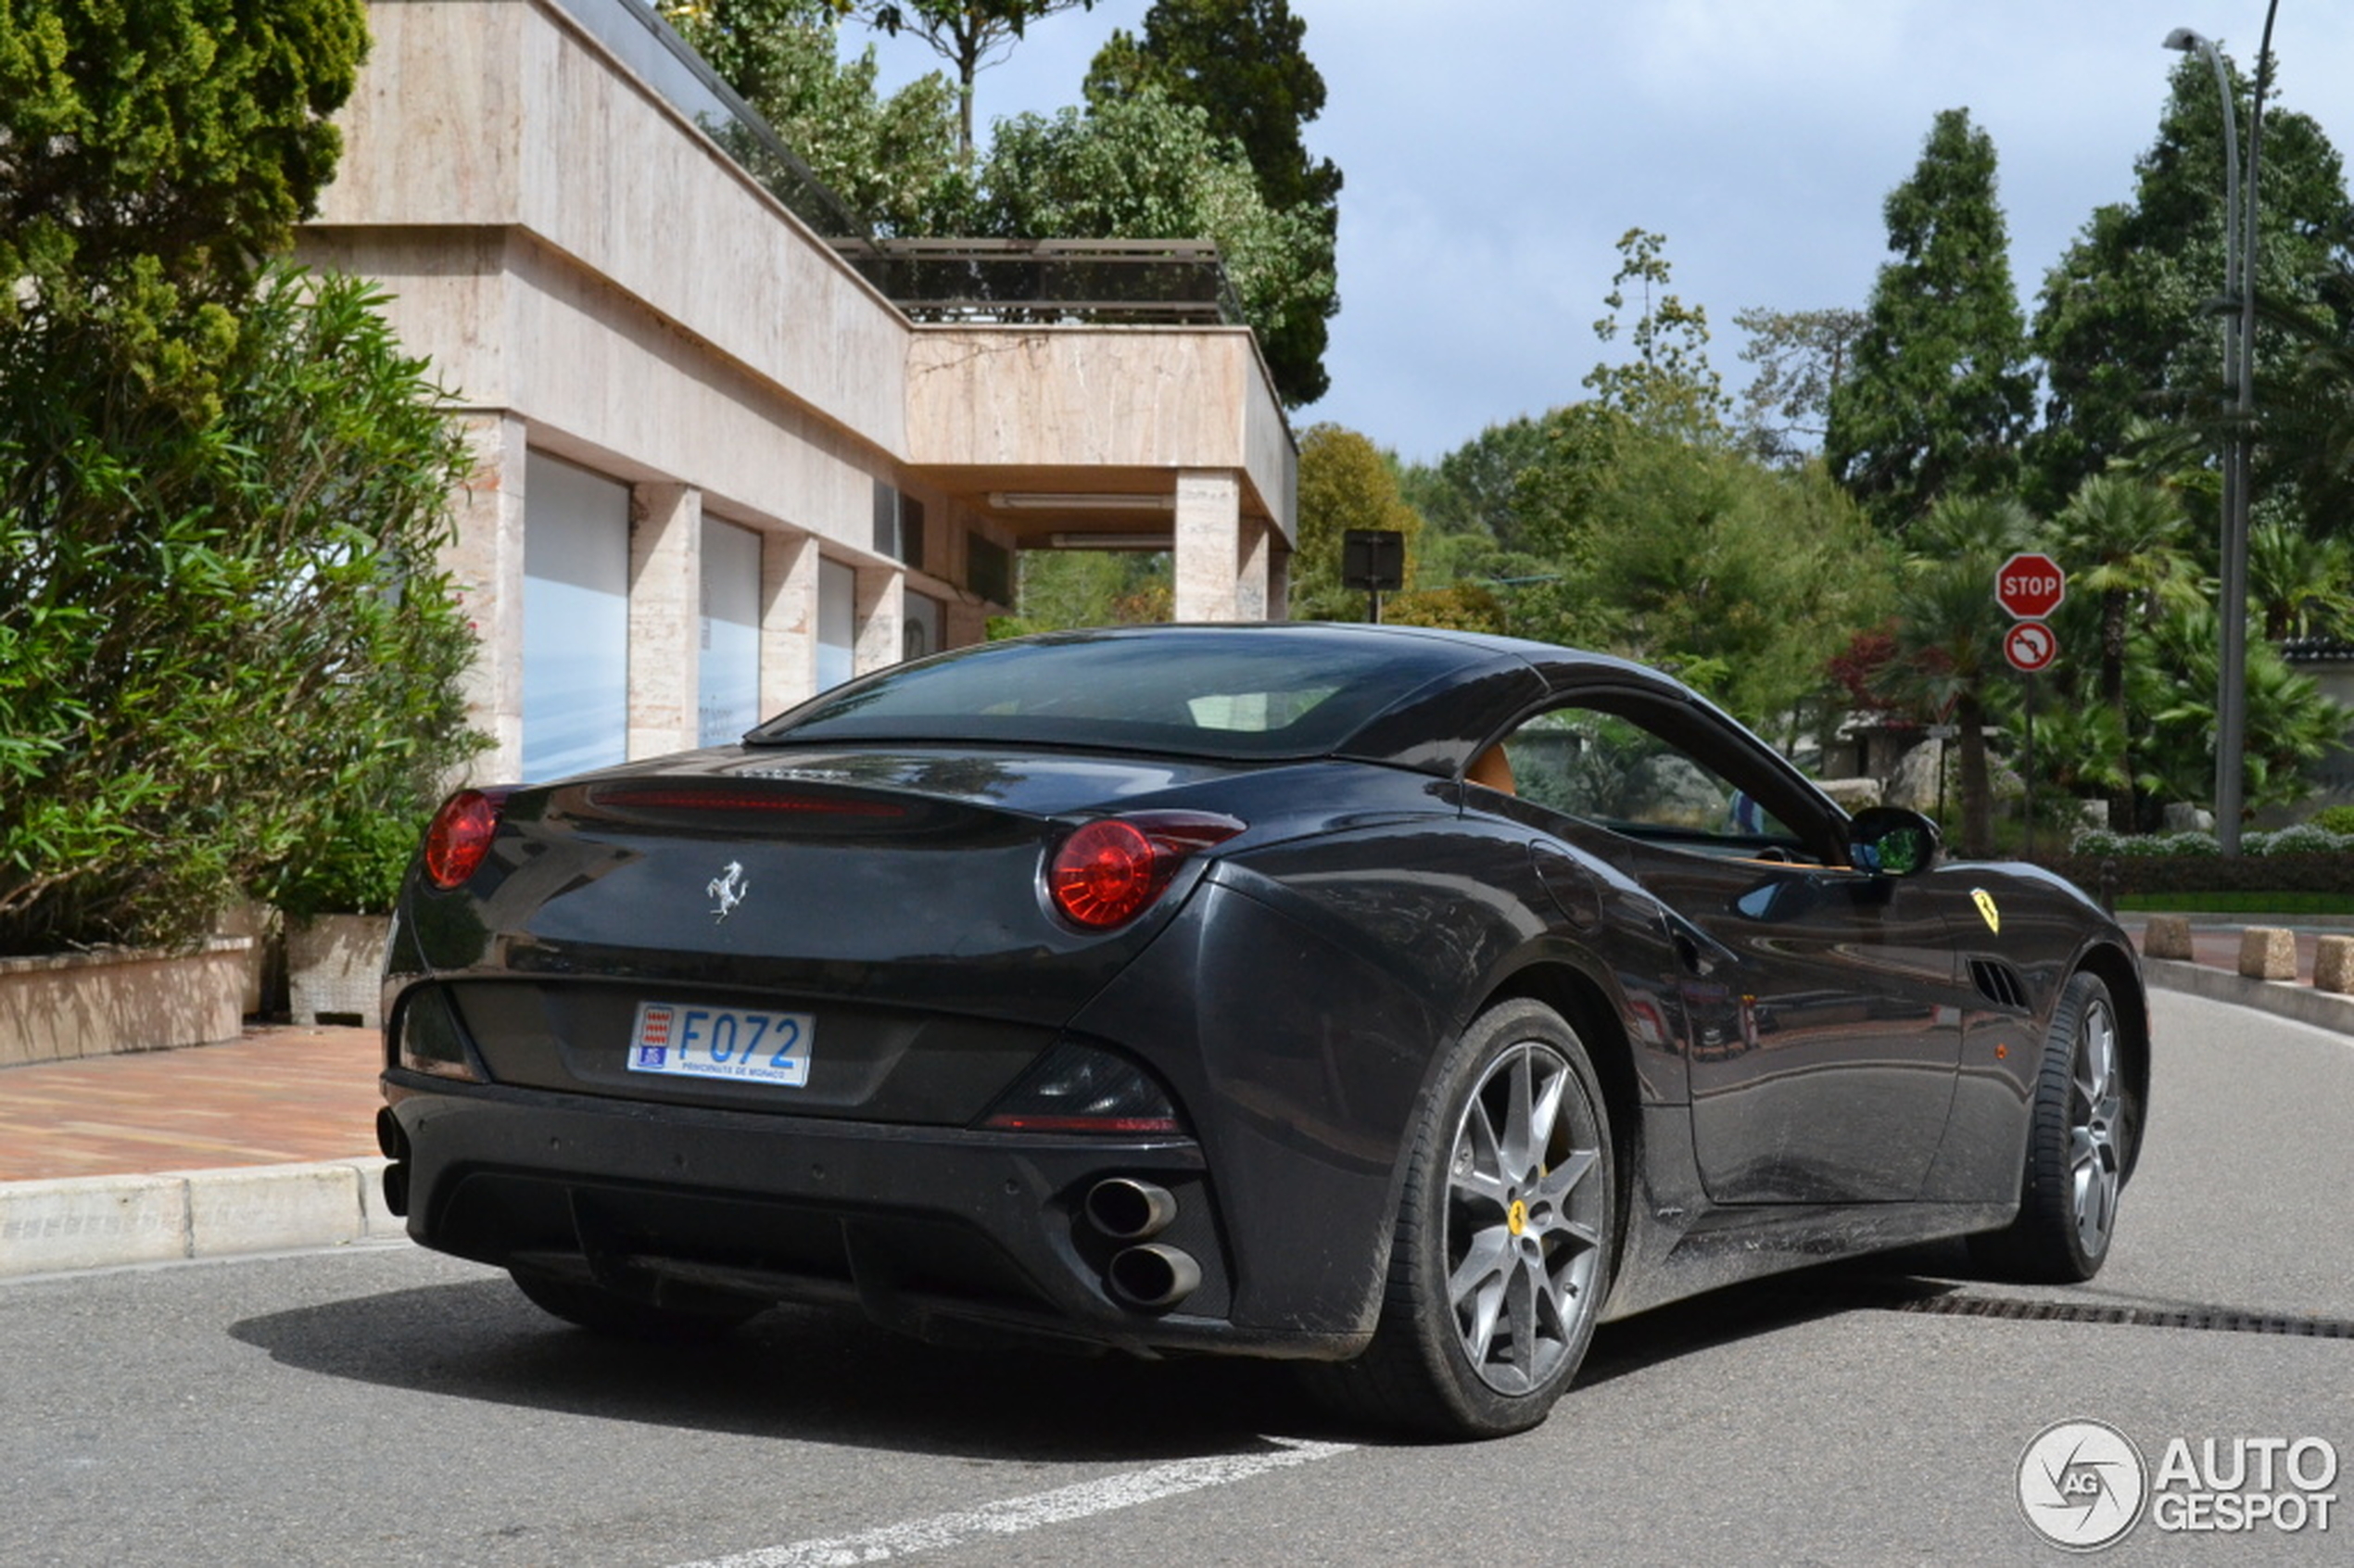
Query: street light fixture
<point>2239,377</point>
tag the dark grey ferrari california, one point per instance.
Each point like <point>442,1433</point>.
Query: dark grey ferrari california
<point>1400,1002</point>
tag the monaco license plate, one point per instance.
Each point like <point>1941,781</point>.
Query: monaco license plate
<point>678,1040</point>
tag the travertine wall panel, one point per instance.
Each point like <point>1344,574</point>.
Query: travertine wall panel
<point>1098,398</point>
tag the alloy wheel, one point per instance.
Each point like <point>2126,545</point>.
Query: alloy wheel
<point>1525,1219</point>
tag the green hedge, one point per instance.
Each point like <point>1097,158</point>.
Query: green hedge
<point>2124,874</point>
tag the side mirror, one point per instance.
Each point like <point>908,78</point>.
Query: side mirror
<point>1891,842</point>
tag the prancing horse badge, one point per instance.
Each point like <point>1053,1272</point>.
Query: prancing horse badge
<point>729,888</point>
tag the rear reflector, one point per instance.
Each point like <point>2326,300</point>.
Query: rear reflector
<point>1111,870</point>
<point>1076,1088</point>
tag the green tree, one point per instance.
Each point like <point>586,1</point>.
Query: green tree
<point>964,33</point>
<point>1742,579</point>
<point>1669,385</point>
<point>180,140</point>
<point>2123,323</point>
<point>1940,391</point>
<point>894,161</point>
<point>1144,168</point>
<point>2125,542</point>
<point>1801,357</point>
<point>2299,586</point>
<point>1476,488</point>
<point>1243,64</point>
<point>1949,655</point>
<point>1345,482</point>
<point>2290,722</point>
<point>228,656</point>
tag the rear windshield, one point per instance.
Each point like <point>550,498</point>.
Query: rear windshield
<point>1186,692</point>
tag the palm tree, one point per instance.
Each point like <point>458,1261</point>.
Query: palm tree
<point>1949,636</point>
<point>2124,540</point>
<point>2297,584</point>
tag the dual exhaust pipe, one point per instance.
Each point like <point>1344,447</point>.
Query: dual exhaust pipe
<point>1146,1274</point>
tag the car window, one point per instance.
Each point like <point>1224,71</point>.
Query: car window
<point>1184,691</point>
<point>1612,771</point>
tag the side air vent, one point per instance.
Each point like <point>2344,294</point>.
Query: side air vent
<point>1999,984</point>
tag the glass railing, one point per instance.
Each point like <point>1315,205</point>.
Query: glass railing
<point>642,41</point>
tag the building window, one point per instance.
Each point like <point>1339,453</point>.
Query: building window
<point>921,618</point>
<point>989,569</point>
<point>837,623</point>
<point>576,620</point>
<point>899,525</point>
<point>728,702</point>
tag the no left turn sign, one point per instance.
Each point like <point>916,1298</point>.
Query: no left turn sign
<point>2030,646</point>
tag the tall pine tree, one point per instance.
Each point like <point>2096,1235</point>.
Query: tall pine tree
<point>1939,392</point>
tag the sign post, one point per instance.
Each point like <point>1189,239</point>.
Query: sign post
<point>1374,559</point>
<point>2029,587</point>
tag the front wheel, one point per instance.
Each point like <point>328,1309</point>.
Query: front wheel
<point>2078,1148</point>
<point>1501,1254</point>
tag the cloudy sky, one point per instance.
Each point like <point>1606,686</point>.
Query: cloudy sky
<point>1494,150</point>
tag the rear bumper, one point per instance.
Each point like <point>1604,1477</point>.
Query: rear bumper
<point>941,1233</point>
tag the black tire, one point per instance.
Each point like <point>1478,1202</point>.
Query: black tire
<point>610,1312</point>
<point>1501,1254</point>
<point>2080,1148</point>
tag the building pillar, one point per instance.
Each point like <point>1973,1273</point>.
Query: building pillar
<point>1208,544</point>
<point>881,591</point>
<point>484,559</point>
<point>1250,573</point>
<point>665,617</point>
<point>787,621</point>
<point>1278,580</point>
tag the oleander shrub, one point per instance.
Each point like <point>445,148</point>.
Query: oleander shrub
<point>227,649</point>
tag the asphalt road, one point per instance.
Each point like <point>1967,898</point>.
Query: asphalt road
<point>380,1406</point>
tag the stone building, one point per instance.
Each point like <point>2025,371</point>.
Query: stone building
<point>719,469</point>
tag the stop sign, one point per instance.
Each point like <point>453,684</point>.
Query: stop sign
<point>2030,586</point>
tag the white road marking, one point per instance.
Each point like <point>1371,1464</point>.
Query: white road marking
<point>1012,1516</point>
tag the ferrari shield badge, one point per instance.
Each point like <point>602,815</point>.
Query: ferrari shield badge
<point>729,890</point>
<point>1986,910</point>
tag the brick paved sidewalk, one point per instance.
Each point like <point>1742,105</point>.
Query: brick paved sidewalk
<point>280,1095</point>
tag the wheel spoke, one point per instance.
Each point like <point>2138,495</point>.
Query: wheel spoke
<point>1556,1185</point>
<point>1517,1145</point>
<point>1481,1266</point>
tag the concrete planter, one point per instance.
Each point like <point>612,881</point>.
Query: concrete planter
<point>96,1004</point>
<point>335,966</point>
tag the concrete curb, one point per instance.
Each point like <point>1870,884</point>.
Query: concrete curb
<point>104,1221</point>
<point>2285,999</point>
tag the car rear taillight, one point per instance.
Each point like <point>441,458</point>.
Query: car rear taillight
<point>461,835</point>
<point>1112,869</point>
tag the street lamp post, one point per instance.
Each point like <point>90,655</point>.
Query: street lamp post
<point>2239,376</point>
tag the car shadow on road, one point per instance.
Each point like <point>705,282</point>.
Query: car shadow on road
<point>824,1375</point>
<point>793,1373</point>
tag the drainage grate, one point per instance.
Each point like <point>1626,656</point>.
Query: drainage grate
<point>2211,1318</point>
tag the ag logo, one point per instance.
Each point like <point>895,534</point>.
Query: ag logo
<point>2081,1485</point>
